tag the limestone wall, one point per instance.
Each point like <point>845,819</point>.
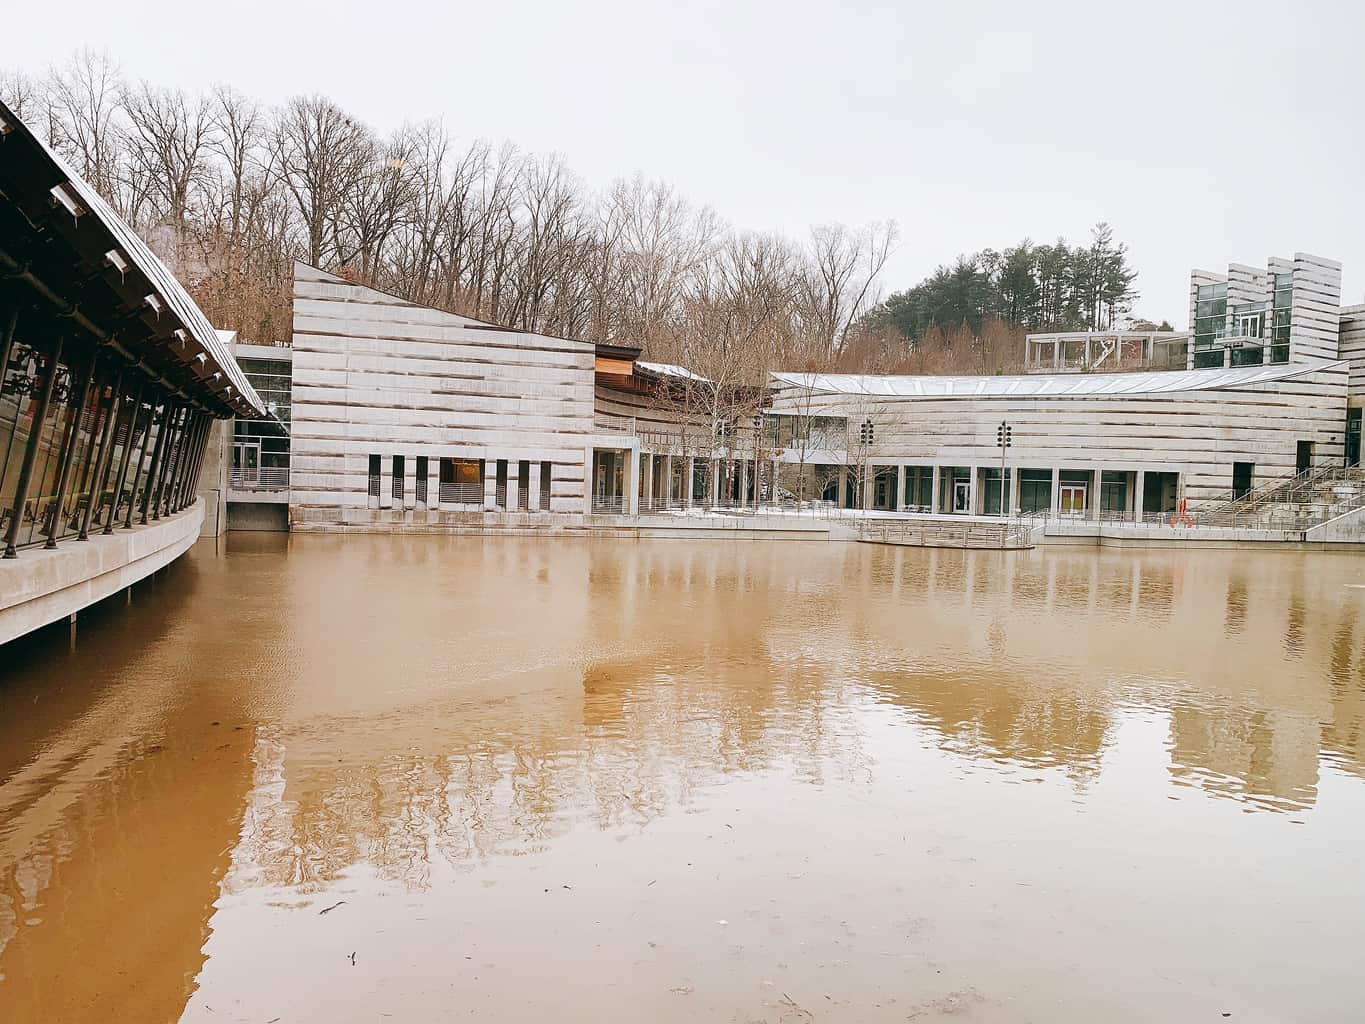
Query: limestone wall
<point>1352,345</point>
<point>1198,434</point>
<point>375,375</point>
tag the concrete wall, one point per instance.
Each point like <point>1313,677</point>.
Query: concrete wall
<point>1198,434</point>
<point>257,516</point>
<point>40,587</point>
<point>213,478</point>
<point>1351,346</point>
<point>375,375</point>
<point>1315,318</point>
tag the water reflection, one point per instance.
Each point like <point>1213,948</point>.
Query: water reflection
<point>287,715</point>
<point>694,663</point>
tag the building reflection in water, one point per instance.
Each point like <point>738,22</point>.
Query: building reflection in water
<point>294,710</point>
<point>690,663</point>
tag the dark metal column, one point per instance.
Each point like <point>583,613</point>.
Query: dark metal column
<point>209,423</point>
<point>176,500</point>
<point>134,414</point>
<point>88,459</point>
<point>207,432</point>
<point>141,452</point>
<point>174,450</point>
<point>6,353</point>
<point>68,453</point>
<point>102,459</point>
<point>31,452</point>
<point>7,345</point>
<point>187,475</point>
<point>173,446</point>
<point>168,409</point>
<point>190,477</point>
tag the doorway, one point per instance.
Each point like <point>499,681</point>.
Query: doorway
<point>1073,499</point>
<point>608,481</point>
<point>246,463</point>
<point>1303,459</point>
<point>1241,478</point>
<point>962,496</point>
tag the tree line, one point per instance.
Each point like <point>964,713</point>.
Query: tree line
<point>962,314</point>
<point>230,191</point>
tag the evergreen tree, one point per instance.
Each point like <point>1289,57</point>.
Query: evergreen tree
<point>1031,287</point>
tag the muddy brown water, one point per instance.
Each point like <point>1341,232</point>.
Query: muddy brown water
<point>429,779</point>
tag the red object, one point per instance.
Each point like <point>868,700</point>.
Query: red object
<point>1182,516</point>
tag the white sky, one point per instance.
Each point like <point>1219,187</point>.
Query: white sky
<point>1206,133</point>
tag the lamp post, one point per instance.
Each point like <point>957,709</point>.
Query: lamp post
<point>1004,437</point>
<point>866,435</point>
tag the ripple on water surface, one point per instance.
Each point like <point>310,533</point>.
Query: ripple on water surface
<point>320,778</point>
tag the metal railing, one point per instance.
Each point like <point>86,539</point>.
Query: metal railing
<point>1270,490</point>
<point>264,478</point>
<point>460,494</point>
<point>603,504</point>
<point>1297,509</point>
<point>1005,536</point>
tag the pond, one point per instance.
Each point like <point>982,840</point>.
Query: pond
<point>319,778</point>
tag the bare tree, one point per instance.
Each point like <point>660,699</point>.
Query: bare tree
<point>85,118</point>
<point>485,231</point>
<point>321,156</point>
<point>239,143</point>
<point>168,142</point>
<point>839,284</point>
<point>378,200</point>
<point>23,94</point>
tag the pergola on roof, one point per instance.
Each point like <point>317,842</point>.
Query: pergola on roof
<point>59,236</point>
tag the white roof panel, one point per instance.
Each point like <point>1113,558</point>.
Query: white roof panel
<point>1044,385</point>
<point>670,370</point>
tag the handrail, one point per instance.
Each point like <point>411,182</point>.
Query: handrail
<point>972,534</point>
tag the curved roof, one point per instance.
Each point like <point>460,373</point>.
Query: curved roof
<point>207,367</point>
<point>670,370</point>
<point>1046,385</point>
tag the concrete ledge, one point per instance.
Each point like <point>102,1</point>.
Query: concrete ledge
<point>40,586</point>
<point>550,524</point>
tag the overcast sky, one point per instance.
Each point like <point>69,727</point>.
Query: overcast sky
<point>1205,133</point>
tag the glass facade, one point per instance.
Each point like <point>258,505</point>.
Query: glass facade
<point>1247,333</point>
<point>1210,324</point>
<point>813,433</point>
<point>1242,334</point>
<point>260,448</point>
<point>1280,316</point>
<point>919,488</point>
<point>75,432</point>
<point>995,492</point>
<point>1035,490</point>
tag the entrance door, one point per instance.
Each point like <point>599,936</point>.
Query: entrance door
<point>246,463</point>
<point>1304,458</point>
<point>1241,478</point>
<point>1073,499</point>
<point>962,496</point>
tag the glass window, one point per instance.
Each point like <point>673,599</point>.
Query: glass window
<point>20,383</point>
<point>42,488</point>
<point>462,481</point>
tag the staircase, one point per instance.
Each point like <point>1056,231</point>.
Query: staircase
<point>1300,503</point>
